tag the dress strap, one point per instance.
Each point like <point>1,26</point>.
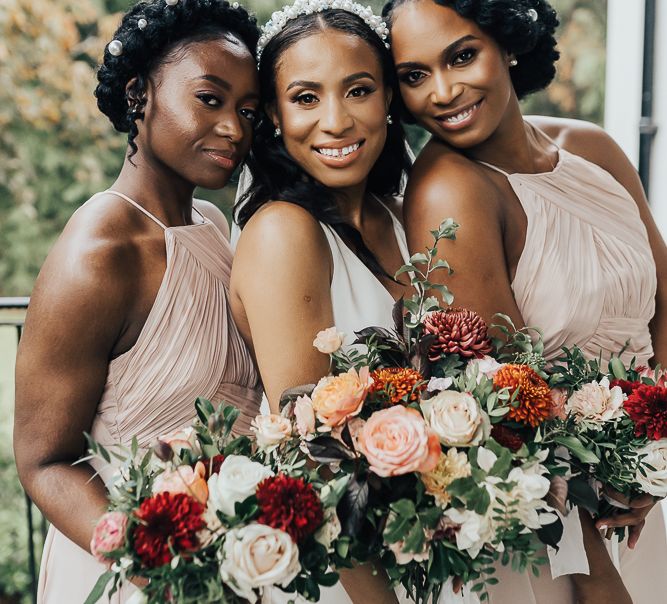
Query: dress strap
<point>495,168</point>
<point>136,205</point>
<point>399,231</point>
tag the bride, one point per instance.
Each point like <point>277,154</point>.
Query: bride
<point>321,235</point>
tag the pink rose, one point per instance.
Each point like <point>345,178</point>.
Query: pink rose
<point>328,340</point>
<point>398,441</point>
<point>184,479</point>
<point>336,398</point>
<point>108,535</point>
<point>558,402</point>
<point>305,416</point>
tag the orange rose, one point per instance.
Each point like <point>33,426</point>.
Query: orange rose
<point>337,398</point>
<point>398,441</point>
<point>184,479</point>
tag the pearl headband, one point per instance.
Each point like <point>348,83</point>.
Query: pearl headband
<point>279,19</point>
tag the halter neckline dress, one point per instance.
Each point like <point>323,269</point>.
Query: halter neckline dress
<point>586,277</point>
<point>188,347</point>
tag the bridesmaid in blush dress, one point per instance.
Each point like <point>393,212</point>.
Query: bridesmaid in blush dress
<point>555,232</point>
<point>129,320</point>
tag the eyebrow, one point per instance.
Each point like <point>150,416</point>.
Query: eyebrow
<point>317,85</point>
<point>215,80</point>
<point>444,53</point>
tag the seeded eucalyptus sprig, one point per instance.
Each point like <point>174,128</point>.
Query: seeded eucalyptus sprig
<point>420,267</point>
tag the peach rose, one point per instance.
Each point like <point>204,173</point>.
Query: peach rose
<point>184,479</point>
<point>108,536</point>
<point>336,398</point>
<point>328,340</point>
<point>398,441</point>
<point>305,416</point>
<point>558,402</point>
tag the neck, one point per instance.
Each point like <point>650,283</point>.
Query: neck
<point>512,145</point>
<point>351,204</point>
<point>157,188</point>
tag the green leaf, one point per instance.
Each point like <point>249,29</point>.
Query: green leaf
<point>574,445</point>
<point>618,369</point>
<point>403,507</point>
<point>414,542</point>
<point>418,258</point>
<point>99,587</point>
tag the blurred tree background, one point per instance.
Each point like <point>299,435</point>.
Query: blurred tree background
<point>56,150</point>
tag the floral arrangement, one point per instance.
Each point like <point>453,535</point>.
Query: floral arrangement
<point>614,423</point>
<point>207,517</point>
<point>432,427</point>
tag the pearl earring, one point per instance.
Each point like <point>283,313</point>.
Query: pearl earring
<point>390,120</point>
<point>513,62</point>
<point>277,132</point>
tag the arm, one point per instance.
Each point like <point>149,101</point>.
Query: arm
<point>281,298</point>
<point>75,316</point>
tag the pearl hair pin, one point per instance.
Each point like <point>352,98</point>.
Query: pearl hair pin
<point>115,48</point>
<point>142,23</point>
<point>532,13</point>
<point>279,19</point>
<point>171,2</point>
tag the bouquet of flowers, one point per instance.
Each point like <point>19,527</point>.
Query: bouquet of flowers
<point>614,423</point>
<point>205,516</point>
<point>431,426</point>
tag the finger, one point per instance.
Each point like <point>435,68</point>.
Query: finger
<point>627,519</point>
<point>642,501</point>
<point>634,534</point>
<point>457,584</point>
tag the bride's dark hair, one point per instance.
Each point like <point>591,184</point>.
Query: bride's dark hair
<point>276,176</point>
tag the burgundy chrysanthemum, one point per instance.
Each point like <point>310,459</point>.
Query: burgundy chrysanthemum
<point>506,437</point>
<point>647,407</point>
<point>458,331</point>
<point>289,504</point>
<point>212,465</point>
<point>169,521</point>
<point>625,385</point>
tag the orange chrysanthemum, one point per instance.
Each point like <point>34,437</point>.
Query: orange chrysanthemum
<point>532,404</point>
<point>398,384</point>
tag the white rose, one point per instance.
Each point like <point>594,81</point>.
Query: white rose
<point>655,481</point>
<point>474,530</point>
<point>596,402</point>
<point>486,366</point>
<point>270,430</point>
<point>330,530</point>
<point>256,556</point>
<point>328,340</point>
<point>456,418</point>
<point>237,480</point>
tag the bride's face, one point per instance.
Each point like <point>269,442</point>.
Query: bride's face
<point>331,105</point>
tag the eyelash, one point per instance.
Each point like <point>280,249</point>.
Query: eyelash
<point>408,79</point>
<point>205,98</point>
<point>249,114</point>
<point>469,52</point>
<point>362,90</point>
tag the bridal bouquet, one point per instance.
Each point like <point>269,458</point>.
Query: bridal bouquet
<point>431,426</point>
<point>614,422</point>
<point>206,517</point>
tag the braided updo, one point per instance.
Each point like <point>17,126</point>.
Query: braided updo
<point>148,32</point>
<point>512,24</point>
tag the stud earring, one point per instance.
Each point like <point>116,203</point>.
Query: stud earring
<point>277,132</point>
<point>390,120</point>
<point>513,62</point>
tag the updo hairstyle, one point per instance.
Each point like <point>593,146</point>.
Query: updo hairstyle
<point>148,33</point>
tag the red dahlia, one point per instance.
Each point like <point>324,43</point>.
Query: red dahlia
<point>625,385</point>
<point>169,521</point>
<point>647,407</point>
<point>506,437</point>
<point>458,331</point>
<point>289,504</point>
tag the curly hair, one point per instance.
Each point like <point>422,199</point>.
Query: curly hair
<point>165,28</point>
<point>277,176</point>
<point>510,24</point>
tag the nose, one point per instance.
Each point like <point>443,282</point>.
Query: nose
<point>446,88</point>
<point>229,126</point>
<point>335,118</point>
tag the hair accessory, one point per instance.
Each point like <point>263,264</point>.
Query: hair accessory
<point>513,62</point>
<point>235,5</point>
<point>277,132</point>
<point>390,120</point>
<point>115,48</point>
<point>279,19</point>
<point>532,13</point>
<point>142,23</point>
<point>171,2</point>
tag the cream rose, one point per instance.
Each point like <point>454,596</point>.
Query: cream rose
<point>486,366</point>
<point>182,439</point>
<point>184,479</point>
<point>305,416</point>
<point>270,430</point>
<point>655,481</point>
<point>330,530</point>
<point>237,480</point>
<point>328,340</point>
<point>256,556</point>
<point>596,402</point>
<point>456,418</point>
<point>398,441</point>
<point>337,398</point>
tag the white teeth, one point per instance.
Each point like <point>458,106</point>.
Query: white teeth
<point>338,152</point>
<point>455,119</point>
